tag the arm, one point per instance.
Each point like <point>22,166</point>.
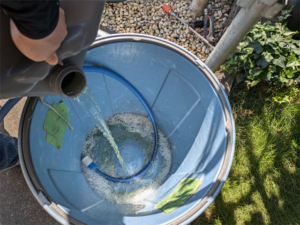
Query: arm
<point>37,28</point>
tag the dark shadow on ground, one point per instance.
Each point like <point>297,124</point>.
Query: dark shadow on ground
<point>2,129</point>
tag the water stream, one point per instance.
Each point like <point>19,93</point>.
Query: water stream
<point>90,106</point>
<point>125,155</point>
<point>133,134</point>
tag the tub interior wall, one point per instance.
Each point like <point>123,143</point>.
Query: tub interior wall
<point>186,109</point>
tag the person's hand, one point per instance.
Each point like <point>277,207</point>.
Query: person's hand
<point>41,49</point>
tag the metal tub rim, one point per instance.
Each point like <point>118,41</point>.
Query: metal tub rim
<point>57,213</point>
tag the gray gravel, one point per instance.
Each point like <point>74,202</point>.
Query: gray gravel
<point>148,17</point>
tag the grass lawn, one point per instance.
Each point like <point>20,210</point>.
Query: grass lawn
<point>263,186</point>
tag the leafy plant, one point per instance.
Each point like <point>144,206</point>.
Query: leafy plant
<point>267,54</point>
<point>284,14</point>
<point>285,95</point>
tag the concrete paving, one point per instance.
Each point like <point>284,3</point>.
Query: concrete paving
<point>17,204</point>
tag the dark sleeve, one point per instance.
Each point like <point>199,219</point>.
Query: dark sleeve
<point>34,19</point>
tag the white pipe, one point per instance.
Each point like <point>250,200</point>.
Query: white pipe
<point>240,26</point>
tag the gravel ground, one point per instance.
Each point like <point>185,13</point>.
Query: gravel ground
<point>147,17</point>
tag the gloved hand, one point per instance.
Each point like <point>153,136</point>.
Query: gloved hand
<point>41,49</point>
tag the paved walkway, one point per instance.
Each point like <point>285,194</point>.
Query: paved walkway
<point>17,204</point>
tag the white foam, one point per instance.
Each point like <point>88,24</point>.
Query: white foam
<point>150,182</point>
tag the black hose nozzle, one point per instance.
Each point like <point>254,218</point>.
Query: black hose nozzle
<point>67,80</point>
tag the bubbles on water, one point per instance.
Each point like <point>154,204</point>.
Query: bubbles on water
<point>135,131</point>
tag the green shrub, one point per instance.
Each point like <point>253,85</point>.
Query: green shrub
<point>285,95</point>
<point>267,54</point>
